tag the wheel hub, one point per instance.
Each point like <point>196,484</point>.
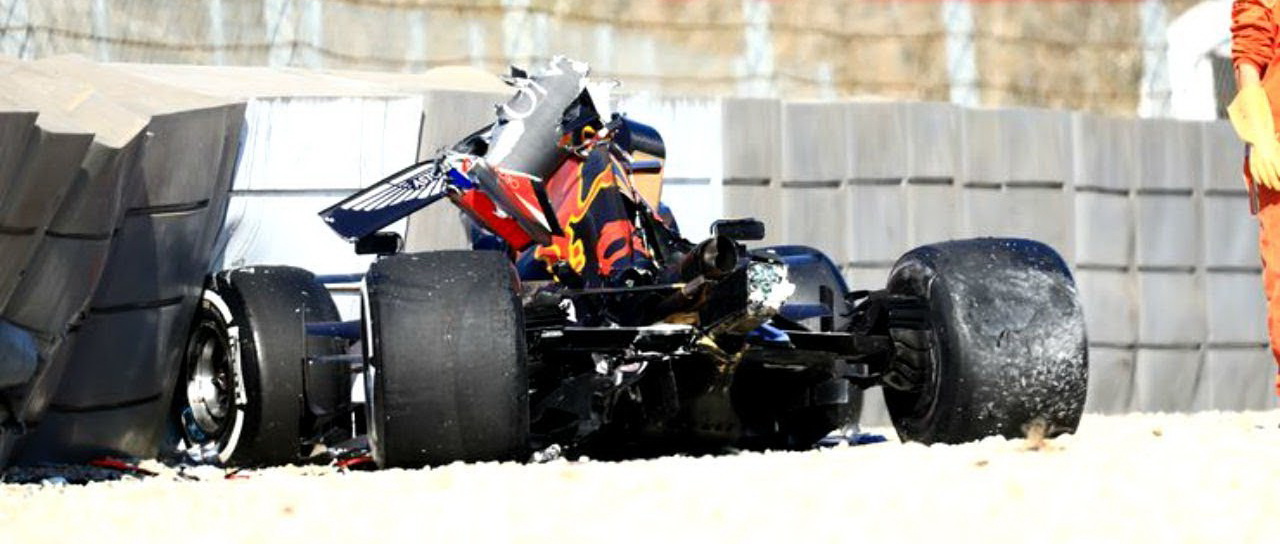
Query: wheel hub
<point>210,387</point>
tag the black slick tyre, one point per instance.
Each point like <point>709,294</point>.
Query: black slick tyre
<point>240,398</point>
<point>996,344</point>
<point>445,376</point>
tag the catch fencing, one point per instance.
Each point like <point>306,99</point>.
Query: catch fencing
<point>1102,56</point>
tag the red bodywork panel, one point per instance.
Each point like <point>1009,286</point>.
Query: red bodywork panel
<point>481,208</point>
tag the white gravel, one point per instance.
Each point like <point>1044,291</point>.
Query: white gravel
<point>1141,478</point>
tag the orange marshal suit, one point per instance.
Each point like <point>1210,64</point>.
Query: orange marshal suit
<point>1254,41</point>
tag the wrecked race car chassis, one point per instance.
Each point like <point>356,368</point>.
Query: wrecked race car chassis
<point>582,319</point>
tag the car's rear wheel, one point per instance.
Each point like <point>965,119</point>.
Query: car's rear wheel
<point>996,346</point>
<point>240,398</point>
<point>446,378</point>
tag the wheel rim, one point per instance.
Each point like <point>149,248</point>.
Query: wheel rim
<point>207,415</point>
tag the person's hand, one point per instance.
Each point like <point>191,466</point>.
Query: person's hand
<point>1250,115</point>
<point>1264,163</point>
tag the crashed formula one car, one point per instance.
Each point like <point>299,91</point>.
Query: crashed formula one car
<point>583,319</point>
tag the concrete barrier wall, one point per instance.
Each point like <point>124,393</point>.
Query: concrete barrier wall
<point>1152,216</point>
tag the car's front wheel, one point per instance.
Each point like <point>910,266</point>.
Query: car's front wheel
<point>240,398</point>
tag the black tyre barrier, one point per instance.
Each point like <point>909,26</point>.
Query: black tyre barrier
<point>155,259</point>
<point>67,271</point>
<point>72,255</point>
<point>125,354</point>
<point>70,435</point>
<point>31,196</point>
<point>123,261</point>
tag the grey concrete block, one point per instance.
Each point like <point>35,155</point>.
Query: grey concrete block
<point>1038,145</point>
<point>816,217</point>
<point>339,142</point>
<point>1223,157</point>
<point>985,211</point>
<point>1041,213</point>
<point>1167,154</point>
<point>1166,380</point>
<point>877,231</point>
<point>933,139</point>
<point>1104,232</point>
<point>1167,230</point>
<point>69,269</point>
<point>435,228</point>
<point>752,131</point>
<point>1171,309</point>
<point>1111,380</point>
<point>814,142</point>
<point>874,411</point>
<point>77,437</point>
<point>348,304</point>
<point>1105,152</point>
<point>1230,232</point>
<point>877,140</point>
<point>1237,379</point>
<point>155,258</point>
<point>449,116</point>
<point>761,202</point>
<point>868,278</point>
<point>1236,308</point>
<point>932,214</point>
<point>695,208</point>
<point>103,371</point>
<point>1037,213</point>
<point>284,230</point>
<point>985,146</point>
<point>1109,299</point>
<point>691,130</point>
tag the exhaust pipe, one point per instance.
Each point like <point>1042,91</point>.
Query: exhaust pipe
<point>714,258</point>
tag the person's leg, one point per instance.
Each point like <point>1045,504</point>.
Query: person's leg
<point>1269,248</point>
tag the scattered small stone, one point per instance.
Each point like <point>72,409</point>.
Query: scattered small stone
<point>548,454</point>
